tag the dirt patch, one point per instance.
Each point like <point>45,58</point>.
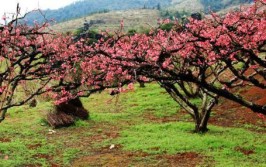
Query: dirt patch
<point>152,118</point>
<point>229,113</point>
<point>253,93</point>
<point>106,157</point>
<point>34,146</point>
<point>5,140</point>
<point>103,133</point>
<point>187,159</point>
<point>244,151</point>
<point>121,159</point>
<point>259,97</point>
<point>55,165</point>
<point>102,136</point>
<point>179,116</point>
<point>43,156</point>
<point>33,165</point>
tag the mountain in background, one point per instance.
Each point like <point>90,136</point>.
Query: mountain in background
<point>183,8</point>
<point>215,5</point>
<point>86,7</point>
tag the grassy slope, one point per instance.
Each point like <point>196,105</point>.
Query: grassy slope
<point>146,120</point>
<point>138,19</point>
<point>133,19</point>
<point>188,5</point>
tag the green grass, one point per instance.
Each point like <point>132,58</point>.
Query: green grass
<point>30,144</point>
<point>157,101</point>
<point>219,143</point>
<point>149,100</point>
<point>69,155</point>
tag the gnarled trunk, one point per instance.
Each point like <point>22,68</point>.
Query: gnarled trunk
<point>200,114</point>
<point>2,115</point>
<point>201,123</point>
<point>202,120</point>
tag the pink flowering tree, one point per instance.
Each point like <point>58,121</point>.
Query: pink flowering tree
<point>204,59</point>
<point>231,45</point>
<point>28,56</point>
<point>140,58</point>
<point>188,62</point>
<point>35,60</point>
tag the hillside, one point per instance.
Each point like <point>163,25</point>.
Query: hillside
<point>138,19</point>
<point>188,5</point>
<point>204,5</point>
<point>85,7</point>
<point>133,19</point>
<point>215,5</point>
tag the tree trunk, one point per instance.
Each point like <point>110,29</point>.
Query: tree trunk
<point>201,129</point>
<point>201,124</point>
<point>202,121</point>
<point>201,114</point>
<point>2,115</point>
<point>141,84</point>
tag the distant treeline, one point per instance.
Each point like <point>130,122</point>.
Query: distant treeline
<point>209,5</point>
<point>215,5</point>
<point>85,7</point>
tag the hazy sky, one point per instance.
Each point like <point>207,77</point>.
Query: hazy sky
<point>9,6</point>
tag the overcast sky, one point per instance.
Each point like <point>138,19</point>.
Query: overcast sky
<point>9,6</point>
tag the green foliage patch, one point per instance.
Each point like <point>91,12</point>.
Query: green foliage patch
<point>227,146</point>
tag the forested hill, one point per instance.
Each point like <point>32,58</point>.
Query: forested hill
<point>217,5</point>
<point>85,7</point>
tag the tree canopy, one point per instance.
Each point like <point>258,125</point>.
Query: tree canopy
<point>204,59</point>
